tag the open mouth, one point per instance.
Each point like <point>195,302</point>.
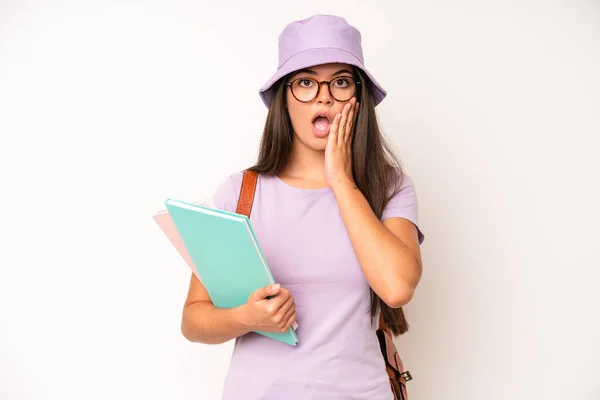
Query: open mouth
<point>321,122</point>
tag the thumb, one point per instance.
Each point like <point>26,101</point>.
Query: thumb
<point>264,292</point>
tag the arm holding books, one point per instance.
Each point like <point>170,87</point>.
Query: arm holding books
<point>205,323</point>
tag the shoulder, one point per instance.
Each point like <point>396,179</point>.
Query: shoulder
<point>227,192</point>
<point>400,183</point>
<point>406,184</point>
<point>402,200</point>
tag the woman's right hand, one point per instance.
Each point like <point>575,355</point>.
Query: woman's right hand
<point>276,314</point>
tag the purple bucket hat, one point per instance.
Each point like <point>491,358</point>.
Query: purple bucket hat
<point>320,39</point>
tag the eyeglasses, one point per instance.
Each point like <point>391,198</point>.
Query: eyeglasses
<point>342,88</point>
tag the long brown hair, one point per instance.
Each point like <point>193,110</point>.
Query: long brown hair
<point>377,171</point>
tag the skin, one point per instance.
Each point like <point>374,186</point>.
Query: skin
<point>307,168</point>
<point>388,251</point>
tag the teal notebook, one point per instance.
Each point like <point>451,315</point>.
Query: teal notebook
<point>226,255</point>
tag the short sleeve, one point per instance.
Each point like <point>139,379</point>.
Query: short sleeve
<point>404,204</point>
<point>225,196</point>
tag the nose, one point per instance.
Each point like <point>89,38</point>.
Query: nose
<point>324,96</point>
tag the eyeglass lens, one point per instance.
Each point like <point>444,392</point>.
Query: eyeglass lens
<point>342,88</point>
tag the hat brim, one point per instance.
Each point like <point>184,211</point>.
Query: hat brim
<point>312,57</point>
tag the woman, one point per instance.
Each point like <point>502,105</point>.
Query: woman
<point>337,221</point>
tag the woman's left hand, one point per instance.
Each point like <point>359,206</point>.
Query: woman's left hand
<point>338,152</point>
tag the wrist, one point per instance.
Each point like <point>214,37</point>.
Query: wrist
<point>240,318</point>
<point>341,185</point>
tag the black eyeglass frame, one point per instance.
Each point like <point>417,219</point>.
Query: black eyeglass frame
<point>356,83</point>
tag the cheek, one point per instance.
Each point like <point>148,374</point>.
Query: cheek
<point>300,116</point>
<point>338,109</point>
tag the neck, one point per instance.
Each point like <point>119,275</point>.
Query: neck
<point>305,163</point>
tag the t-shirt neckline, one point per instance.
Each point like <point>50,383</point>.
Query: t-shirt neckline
<point>280,181</point>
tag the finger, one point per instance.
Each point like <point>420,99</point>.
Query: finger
<point>333,131</point>
<point>284,316</point>
<point>353,128</point>
<point>264,292</point>
<point>286,305</point>
<point>350,124</point>
<point>342,128</point>
<point>280,301</point>
<point>290,321</point>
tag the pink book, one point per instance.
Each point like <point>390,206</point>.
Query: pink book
<point>166,224</point>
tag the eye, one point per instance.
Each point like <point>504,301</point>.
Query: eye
<point>302,82</point>
<point>342,82</point>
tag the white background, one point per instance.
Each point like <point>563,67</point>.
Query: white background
<point>108,108</point>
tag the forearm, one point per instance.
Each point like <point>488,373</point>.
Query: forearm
<point>387,263</point>
<point>202,322</point>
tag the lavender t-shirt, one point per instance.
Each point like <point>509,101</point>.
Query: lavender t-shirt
<point>309,252</point>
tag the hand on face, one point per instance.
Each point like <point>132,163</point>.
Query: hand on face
<point>338,152</point>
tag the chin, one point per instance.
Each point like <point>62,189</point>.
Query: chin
<point>319,146</point>
<point>313,142</point>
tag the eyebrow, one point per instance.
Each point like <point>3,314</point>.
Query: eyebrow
<point>310,71</point>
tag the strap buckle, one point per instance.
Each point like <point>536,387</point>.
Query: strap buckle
<point>406,375</point>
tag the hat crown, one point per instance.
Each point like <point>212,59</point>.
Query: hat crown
<point>319,31</point>
<point>317,40</point>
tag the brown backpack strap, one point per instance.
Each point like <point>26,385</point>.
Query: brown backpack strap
<point>246,199</point>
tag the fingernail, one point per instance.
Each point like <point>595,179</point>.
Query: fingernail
<point>276,286</point>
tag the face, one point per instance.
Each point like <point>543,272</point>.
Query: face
<point>310,129</point>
